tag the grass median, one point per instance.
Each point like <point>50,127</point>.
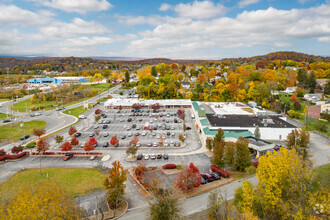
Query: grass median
<point>15,132</point>
<point>75,181</point>
<point>76,111</point>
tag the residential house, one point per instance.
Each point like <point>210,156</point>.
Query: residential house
<point>290,90</point>
<point>313,97</point>
<point>186,85</point>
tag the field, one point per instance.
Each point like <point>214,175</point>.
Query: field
<point>15,133</point>
<point>25,105</point>
<point>286,98</point>
<point>3,116</point>
<point>76,182</point>
<point>76,111</point>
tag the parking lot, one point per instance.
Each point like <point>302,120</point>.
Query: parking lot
<point>150,128</point>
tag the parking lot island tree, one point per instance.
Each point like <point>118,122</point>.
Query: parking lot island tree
<point>74,141</point>
<point>132,148</point>
<point>66,146</point>
<point>49,201</point>
<point>115,184</point>
<point>72,130</point>
<point>181,114</point>
<point>114,141</point>
<point>209,143</point>
<point>16,149</point>
<point>98,111</point>
<point>59,139</point>
<point>137,106</point>
<point>187,178</point>
<point>242,159</point>
<point>42,145</point>
<point>97,118</point>
<point>182,138</point>
<point>88,146</point>
<point>2,152</point>
<point>155,106</point>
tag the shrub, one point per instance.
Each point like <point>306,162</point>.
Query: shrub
<point>169,166</point>
<point>297,105</point>
<point>220,171</point>
<point>255,164</point>
<point>30,145</point>
<point>179,166</point>
<point>251,170</point>
<point>321,127</point>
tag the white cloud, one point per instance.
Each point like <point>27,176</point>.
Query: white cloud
<point>138,20</point>
<point>302,1</point>
<point>78,26</point>
<point>244,3</point>
<point>324,39</point>
<point>13,15</point>
<point>79,6</point>
<point>165,7</point>
<point>199,10</point>
<point>181,37</point>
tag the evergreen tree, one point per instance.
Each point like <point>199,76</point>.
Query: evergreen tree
<point>302,77</point>
<point>257,132</point>
<point>242,154</point>
<point>153,71</point>
<point>312,82</point>
<point>127,77</point>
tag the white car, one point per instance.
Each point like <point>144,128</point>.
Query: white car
<point>138,127</point>
<point>92,157</point>
<point>106,134</point>
<point>144,133</point>
<point>129,134</point>
<point>155,144</point>
<point>138,144</point>
<point>146,157</point>
<point>96,126</point>
<point>82,117</point>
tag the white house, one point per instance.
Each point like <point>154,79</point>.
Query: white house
<point>290,90</point>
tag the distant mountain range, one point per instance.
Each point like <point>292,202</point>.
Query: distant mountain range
<point>24,61</point>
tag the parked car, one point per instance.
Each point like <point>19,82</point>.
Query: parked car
<point>188,128</point>
<point>129,134</point>
<point>215,176</point>
<point>91,135</point>
<point>129,119</point>
<point>144,133</point>
<point>172,134</point>
<point>177,144</point>
<point>149,144</point>
<point>203,181</point>
<point>207,177</point>
<point>138,144</point>
<point>152,156</point>
<point>67,156</point>
<point>106,144</point>
<point>92,157</point>
<point>165,156</point>
<point>106,134</point>
<point>165,144</point>
<point>25,137</point>
<point>6,121</point>
<point>82,117</point>
<point>121,120</point>
<point>137,134</point>
<point>172,144</point>
<point>78,134</point>
<point>133,125</point>
<point>105,126</point>
<point>155,144</point>
<point>146,157</point>
<point>96,126</point>
<point>175,120</point>
<point>159,156</point>
<point>107,121</point>
<point>123,136</point>
<point>139,157</point>
<point>138,127</point>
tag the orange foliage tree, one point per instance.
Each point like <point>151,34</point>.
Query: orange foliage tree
<point>66,146</point>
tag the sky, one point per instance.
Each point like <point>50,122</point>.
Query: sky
<point>182,29</point>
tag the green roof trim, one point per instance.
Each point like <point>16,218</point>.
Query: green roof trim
<point>196,106</point>
<point>201,113</point>
<point>236,135</point>
<point>205,122</point>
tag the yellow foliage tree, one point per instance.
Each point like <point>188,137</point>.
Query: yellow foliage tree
<point>49,201</point>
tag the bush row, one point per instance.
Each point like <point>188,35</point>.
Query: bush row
<point>63,153</point>
<point>220,171</point>
<point>13,157</point>
<point>169,166</point>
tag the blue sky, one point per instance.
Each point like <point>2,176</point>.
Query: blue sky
<point>173,29</point>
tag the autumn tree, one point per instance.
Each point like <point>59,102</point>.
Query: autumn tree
<point>219,137</point>
<point>209,143</point>
<point>114,141</point>
<point>132,148</point>
<point>114,183</point>
<point>286,188</point>
<point>181,114</point>
<point>16,150</point>
<point>136,106</point>
<point>197,179</point>
<point>98,111</point>
<point>93,141</point>
<point>59,139</point>
<point>168,199</point>
<point>218,206</point>
<point>2,152</point>
<point>42,145</point>
<point>242,159</point>
<point>66,146</point>
<point>74,141</point>
<point>257,132</point>
<point>218,154</point>
<point>48,201</point>
<point>39,132</point>
<point>97,117</point>
<point>230,153</point>
<point>185,179</point>
<point>155,106</point>
<point>182,138</point>
<point>88,146</point>
<point>72,130</point>
<point>298,139</point>
<point>293,97</point>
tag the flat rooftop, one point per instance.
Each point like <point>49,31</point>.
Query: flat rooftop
<point>230,108</point>
<point>247,121</point>
<point>257,142</point>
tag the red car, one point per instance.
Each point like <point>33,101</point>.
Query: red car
<point>67,157</point>
<point>207,177</point>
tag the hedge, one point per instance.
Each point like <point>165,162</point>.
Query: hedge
<point>14,157</point>
<point>169,166</point>
<point>220,171</point>
<point>30,145</point>
<point>63,153</point>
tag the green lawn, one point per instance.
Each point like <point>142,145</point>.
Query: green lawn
<point>286,98</point>
<point>26,105</point>
<point>4,100</point>
<point>76,111</point>
<point>313,124</point>
<point>76,182</point>
<point>102,99</point>
<point>15,133</point>
<point>3,116</point>
<point>323,175</point>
